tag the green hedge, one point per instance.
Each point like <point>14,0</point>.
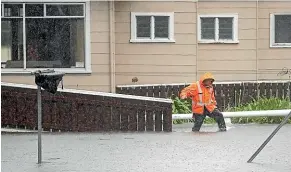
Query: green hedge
<point>273,103</point>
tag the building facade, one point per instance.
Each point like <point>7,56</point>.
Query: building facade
<point>101,44</point>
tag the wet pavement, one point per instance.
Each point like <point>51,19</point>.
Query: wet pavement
<point>179,151</point>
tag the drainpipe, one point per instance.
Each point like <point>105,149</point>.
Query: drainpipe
<point>257,46</point>
<point>112,45</point>
<point>197,77</point>
<point>257,39</point>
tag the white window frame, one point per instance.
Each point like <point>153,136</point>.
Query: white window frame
<point>87,61</point>
<point>152,39</point>
<point>217,40</point>
<point>272,32</point>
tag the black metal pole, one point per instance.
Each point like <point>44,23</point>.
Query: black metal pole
<point>51,78</point>
<point>269,138</point>
<point>39,126</point>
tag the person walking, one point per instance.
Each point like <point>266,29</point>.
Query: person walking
<point>203,102</point>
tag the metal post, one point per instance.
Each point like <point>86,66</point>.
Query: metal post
<point>39,127</point>
<point>269,138</point>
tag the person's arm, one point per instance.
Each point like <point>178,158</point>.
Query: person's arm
<point>189,91</point>
<point>213,98</point>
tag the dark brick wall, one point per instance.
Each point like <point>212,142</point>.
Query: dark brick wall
<point>82,112</point>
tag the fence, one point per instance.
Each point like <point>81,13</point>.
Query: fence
<point>75,110</point>
<point>228,94</point>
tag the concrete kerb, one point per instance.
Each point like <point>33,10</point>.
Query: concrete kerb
<point>16,130</point>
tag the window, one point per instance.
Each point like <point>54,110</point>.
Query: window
<point>280,30</point>
<point>218,28</point>
<point>152,27</point>
<point>44,35</point>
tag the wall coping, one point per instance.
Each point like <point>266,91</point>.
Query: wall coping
<point>176,84</point>
<point>92,93</point>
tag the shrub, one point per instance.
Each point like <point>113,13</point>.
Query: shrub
<point>181,106</point>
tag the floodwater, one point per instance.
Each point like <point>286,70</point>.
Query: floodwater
<point>179,151</point>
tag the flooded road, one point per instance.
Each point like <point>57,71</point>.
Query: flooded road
<point>179,151</point>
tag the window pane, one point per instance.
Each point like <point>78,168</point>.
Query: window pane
<point>34,9</point>
<point>207,28</point>
<point>225,28</point>
<point>64,10</point>
<point>13,10</point>
<point>143,26</point>
<point>162,27</point>
<point>55,43</point>
<point>282,28</point>
<point>11,43</point>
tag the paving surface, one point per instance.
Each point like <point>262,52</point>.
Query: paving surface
<point>179,151</point>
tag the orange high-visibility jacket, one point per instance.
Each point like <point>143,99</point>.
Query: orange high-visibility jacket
<point>201,95</point>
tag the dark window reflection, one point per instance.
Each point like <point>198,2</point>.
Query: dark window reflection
<point>34,10</point>
<point>143,26</point>
<point>225,28</point>
<point>57,43</point>
<point>208,28</point>
<point>12,43</point>
<point>162,26</point>
<point>282,28</point>
<point>50,42</point>
<point>13,10</point>
<point>64,10</point>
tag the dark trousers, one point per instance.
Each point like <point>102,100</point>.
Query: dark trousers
<point>216,114</point>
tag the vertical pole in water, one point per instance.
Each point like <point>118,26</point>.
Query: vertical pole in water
<point>39,127</point>
<point>269,138</point>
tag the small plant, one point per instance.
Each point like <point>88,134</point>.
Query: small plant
<point>181,106</point>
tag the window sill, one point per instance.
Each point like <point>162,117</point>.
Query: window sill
<point>217,42</point>
<point>287,45</point>
<point>29,71</point>
<point>152,41</point>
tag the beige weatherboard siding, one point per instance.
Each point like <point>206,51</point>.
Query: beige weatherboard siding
<point>271,59</point>
<point>116,54</point>
<point>156,61</point>
<point>231,61</point>
<point>228,60</point>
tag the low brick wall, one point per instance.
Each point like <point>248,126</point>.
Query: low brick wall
<point>75,110</point>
